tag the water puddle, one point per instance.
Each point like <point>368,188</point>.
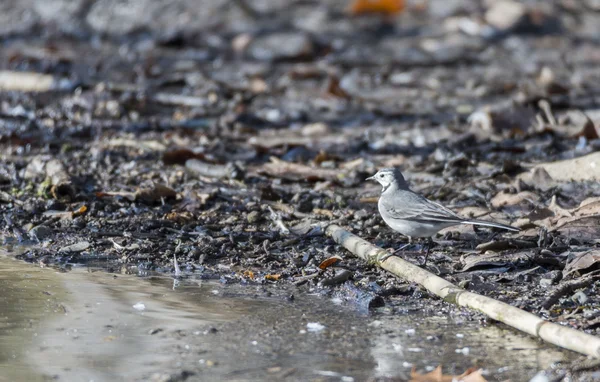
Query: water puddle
<point>87,324</point>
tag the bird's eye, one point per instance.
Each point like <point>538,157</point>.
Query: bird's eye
<point>381,175</point>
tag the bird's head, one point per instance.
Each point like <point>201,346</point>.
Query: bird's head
<point>389,176</point>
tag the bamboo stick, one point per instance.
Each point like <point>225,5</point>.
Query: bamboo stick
<point>562,336</point>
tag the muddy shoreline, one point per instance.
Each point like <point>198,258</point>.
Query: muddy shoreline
<point>227,134</point>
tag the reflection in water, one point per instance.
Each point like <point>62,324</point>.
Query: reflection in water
<point>502,353</point>
<point>82,325</point>
<point>29,296</point>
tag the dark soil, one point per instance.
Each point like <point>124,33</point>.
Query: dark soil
<point>226,134</point>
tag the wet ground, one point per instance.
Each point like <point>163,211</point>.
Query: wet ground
<point>216,139</point>
<point>89,324</point>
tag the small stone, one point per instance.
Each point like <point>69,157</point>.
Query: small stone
<point>505,15</point>
<point>281,46</point>
<point>40,232</point>
<point>361,214</point>
<point>77,247</point>
<point>253,217</point>
<point>315,129</point>
<point>580,297</point>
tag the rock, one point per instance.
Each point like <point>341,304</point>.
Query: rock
<point>505,15</point>
<point>77,247</point>
<point>40,232</point>
<point>580,297</point>
<point>281,46</point>
<point>16,17</point>
<point>253,217</point>
<point>315,129</point>
<point>361,214</point>
<point>593,4</point>
<point>62,13</point>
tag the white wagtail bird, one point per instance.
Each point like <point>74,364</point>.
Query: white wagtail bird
<point>412,214</point>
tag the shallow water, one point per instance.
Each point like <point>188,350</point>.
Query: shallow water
<point>87,324</point>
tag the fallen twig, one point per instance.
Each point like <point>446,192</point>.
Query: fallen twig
<point>569,287</point>
<point>526,322</point>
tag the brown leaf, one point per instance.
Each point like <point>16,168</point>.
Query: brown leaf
<point>470,375</point>
<point>590,206</point>
<point>329,262</point>
<point>388,7</point>
<point>576,169</point>
<point>273,277</point>
<point>433,376</point>
<point>334,88</point>
<point>180,217</point>
<point>321,157</point>
<point>373,199</point>
<point>588,130</point>
<point>155,194</point>
<point>581,262</point>
<point>502,199</point>
<point>124,194</point>
<point>249,274</point>
<point>180,156</point>
<point>80,211</point>
<point>323,212</point>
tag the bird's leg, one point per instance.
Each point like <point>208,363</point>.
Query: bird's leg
<point>395,252</point>
<point>402,247</point>
<point>429,243</point>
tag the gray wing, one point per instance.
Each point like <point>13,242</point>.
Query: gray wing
<point>406,205</point>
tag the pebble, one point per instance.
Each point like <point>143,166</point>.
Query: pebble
<point>280,46</point>
<point>505,15</point>
<point>40,232</point>
<point>253,217</point>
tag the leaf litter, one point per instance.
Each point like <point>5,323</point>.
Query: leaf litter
<point>246,161</point>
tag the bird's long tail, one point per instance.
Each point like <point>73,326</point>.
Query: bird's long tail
<point>490,224</point>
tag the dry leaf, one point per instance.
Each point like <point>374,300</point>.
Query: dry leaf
<point>502,199</point>
<point>155,194</point>
<point>433,376</point>
<point>388,7</point>
<point>124,194</point>
<point>180,217</point>
<point>373,199</point>
<point>581,262</point>
<point>249,274</point>
<point>273,277</point>
<point>180,156</point>
<point>471,376</point>
<point>321,157</point>
<point>588,130</point>
<point>334,88</point>
<point>329,262</point>
<point>582,168</point>
<point>80,211</point>
<point>323,212</point>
